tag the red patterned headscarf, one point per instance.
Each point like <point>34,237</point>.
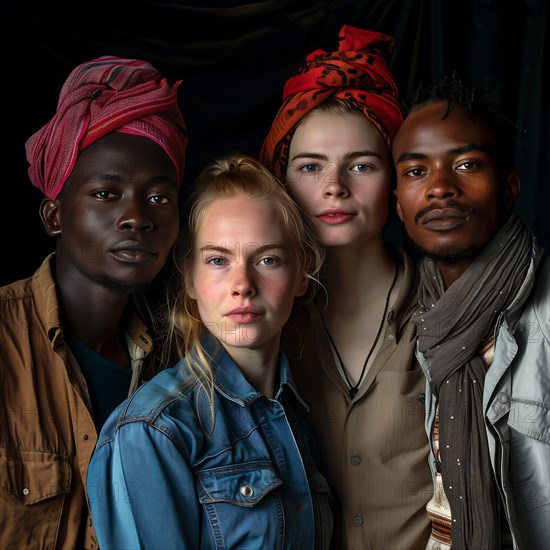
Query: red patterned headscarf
<point>357,73</point>
<point>107,94</point>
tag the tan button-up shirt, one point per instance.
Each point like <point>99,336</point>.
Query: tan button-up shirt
<point>47,434</point>
<point>375,446</point>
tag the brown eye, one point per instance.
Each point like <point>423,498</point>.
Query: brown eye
<point>468,165</point>
<point>159,199</point>
<point>414,172</point>
<point>104,194</point>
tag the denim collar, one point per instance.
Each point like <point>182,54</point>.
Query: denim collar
<point>231,382</point>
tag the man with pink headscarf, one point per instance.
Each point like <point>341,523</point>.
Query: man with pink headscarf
<point>74,343</point>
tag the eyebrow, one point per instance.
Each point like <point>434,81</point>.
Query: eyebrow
<point>347,156</point>
<point>116,178</point>
<point>454,151</point>
<point>214,247</point>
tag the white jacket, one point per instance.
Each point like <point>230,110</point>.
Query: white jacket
<point>516,402</point>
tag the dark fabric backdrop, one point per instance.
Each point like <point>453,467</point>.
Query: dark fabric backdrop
<point>234,58</point>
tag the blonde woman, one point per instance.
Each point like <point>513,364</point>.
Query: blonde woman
<point>215,452</point>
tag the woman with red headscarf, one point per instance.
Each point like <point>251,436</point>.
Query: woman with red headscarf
<point>352,349</point>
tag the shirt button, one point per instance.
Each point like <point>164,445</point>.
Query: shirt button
<point>390,337</point>
<point>26,491</point>
<point>357,521</point>
<point>85,437</point>
<point>247,491</point>
<point>355,460</point>
<point>422,398</point>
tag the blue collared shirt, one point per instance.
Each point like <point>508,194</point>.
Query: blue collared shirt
<point>168,474</point>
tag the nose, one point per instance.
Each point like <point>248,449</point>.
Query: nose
<point>135,216</point>
<point>443,184</point>
<point>242,283</point>
<point>334,182</point>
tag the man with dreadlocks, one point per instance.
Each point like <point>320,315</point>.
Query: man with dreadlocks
<point>483,322</point>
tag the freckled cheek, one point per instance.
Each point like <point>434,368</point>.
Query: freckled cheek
<point>284,292</point>
<point>207,289</point>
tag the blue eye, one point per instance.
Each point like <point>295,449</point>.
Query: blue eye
<point>218,260</point>
<point>309,168</point>
<point>270,261</point>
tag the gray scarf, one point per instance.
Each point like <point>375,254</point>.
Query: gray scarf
<point>452,325</point>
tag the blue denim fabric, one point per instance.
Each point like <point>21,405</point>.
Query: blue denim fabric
<point>165,474</point>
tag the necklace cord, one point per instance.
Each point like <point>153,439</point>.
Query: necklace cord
<point>354,389</point>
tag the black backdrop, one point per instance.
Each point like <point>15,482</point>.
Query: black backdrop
<point>234,58</point>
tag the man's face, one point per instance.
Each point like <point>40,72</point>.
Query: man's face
<point>450,194</point>
<point>118,213</point>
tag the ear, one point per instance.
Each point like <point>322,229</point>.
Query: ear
<point>188,274</point>
<point>49,213</point>
<point>398,206</point>
<point>511,189</point>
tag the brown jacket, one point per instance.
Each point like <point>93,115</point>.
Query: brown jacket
<point>376,449</point>
<point>47,434</point>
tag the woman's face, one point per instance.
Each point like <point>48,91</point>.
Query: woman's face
<point>244,274</point>
<point>339,173</point>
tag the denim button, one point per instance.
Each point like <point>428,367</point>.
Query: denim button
<point>355,460</point>
<point>357,521</point>
<point>247,491</point>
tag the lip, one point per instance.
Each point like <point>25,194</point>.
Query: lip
<point>133,252</point>
<point>444,219</point>
<point>244,315</point>
<point>334,216</point>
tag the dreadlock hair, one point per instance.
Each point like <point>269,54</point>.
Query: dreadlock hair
<point>454,89</point>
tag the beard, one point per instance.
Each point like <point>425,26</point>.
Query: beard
<point>449,256</point>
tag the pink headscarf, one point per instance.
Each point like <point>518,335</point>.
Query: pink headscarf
<point>105,95</point>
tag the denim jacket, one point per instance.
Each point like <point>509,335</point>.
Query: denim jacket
<point>168,474</point>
